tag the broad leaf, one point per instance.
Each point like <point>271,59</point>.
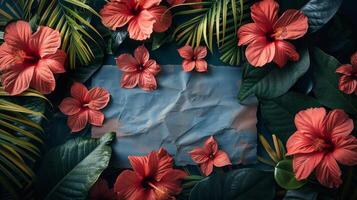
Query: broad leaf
<point>320,12</point>
<point>278,114</point>
<point>285,177</point>
<point>270,81</point>
<point>68,171</point>
<point>326,83</point>
<point>241,184</point>
<point>304,193</point>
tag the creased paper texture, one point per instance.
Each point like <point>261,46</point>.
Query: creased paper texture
<point>180,115</point>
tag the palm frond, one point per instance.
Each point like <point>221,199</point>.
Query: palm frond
<point>217,20</point>
<point>9,10</point>
<point>20,138</point>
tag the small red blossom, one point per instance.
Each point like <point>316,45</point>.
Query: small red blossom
<point>193,58</point>
<point>84,106</point>
<point>266,36</point>
<point>30,59</point>
<point>348,81</point>
<point>153,177</point>
<point>321,140</point>
<point>209,155</point>
<point>142,16</point>
<point>101,191</point>
<point>138,69</point>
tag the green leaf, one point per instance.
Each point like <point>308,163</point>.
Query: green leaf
<point>278,114</point>
<point>118,38</point>
<point>9,10</point>
<point>159,39</point>
<point>68,171</point>
<point>326,83</point>
<point>320,12</point>
<point>304,193</point>
<point>270,81</point>
<point>241,184</point>
<point>285,177</point>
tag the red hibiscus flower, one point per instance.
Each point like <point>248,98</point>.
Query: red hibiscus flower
<point>84,106</point>
<point>193,58</point>
<point>153,178</point>
<point>101,191</point>
<point>142,16</point>
<point>348,80</point>
<point>30,60</point>
<point>209,156</point>
<point>265,37</point>
<point>321,140</point>
<point>138,70</point>
<point>178,2</point>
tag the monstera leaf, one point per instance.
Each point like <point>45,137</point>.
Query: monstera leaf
<point>320,12</point>
<point>270,81</point>
<point>68,171</point>
<point>241,184</point>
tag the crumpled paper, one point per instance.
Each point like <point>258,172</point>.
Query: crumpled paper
<point>180,115</point>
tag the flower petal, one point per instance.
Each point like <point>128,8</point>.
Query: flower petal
<point>201,65</point>
<point>304,164</point>
<point>141,27</point>
<point>6,56</point>
<point>79,92</point>
<point>299,143</point>
<point>95,117</point>
<point>188,65</point>
<point>211,146</point>
<point>345,151</point>
<point>249,33</point>
<point>264,14</point>
<point>17,79</point>
<point>147,81</point>
<point>221,159</point>
<point>127,63</point>
<point>138,163</point>
<point>116,14</point>
<point>78,121</point>
<point>128,186</point>
<point>163,18</point>
<point>284,51</point>
<point>346,69</point>
<point>17,34</point>
<point>175,2</point>
<point>45,41</point>
<point>338,124</point>
<point>146,4</point>
<point>141,54</point>
<point>207,167</point>
<point>70,106</point>
<point>354,59</point>
<point>54,61</point>
<point>199,155</point>
<point>200,52</point>
<point>347,84</point>
<point>152,67</point>
<point>165,162</point>
<point>291,25</point>
<point>311,121</point>
<point>328,173</point>
<point>43,80</point>
<point>98,98</point>
<point>186,52</point>
<point>260,52</point>
<point>129,80</point>
<point>171,181</point>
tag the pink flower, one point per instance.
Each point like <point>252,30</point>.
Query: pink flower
<point>348,80</point>
<point>265,37</point>
<point>84,106</point>
<point>178,2</point>
<point>193,58</point>
<point>153,178</point>
<point>101,191</point>
<point>321,140</point>
<point>209,156</point>
<point>142,16</point>
<point>30,60</point>
<point>138,70</point>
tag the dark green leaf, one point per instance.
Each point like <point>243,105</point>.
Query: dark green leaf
<point>326,83</point>
<point>9,11</point>
<point>68,171</point>
<point>241,184</point>
<point>320,12</point>
<point>118,38</point>
<point>158,39</point>
<point>278,114</point>
<point>285,177</point>
<point>304,193</point>
<point>270,82</point>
